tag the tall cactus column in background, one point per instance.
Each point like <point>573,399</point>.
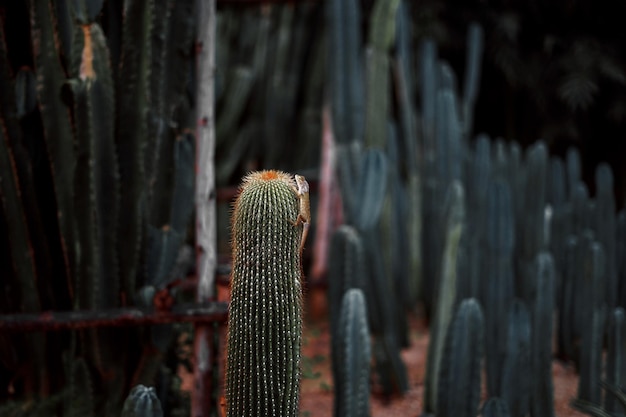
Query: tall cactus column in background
<point>265,321</point>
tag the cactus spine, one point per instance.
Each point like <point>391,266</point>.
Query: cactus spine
<point>142,402</point>
<point>265,323</point>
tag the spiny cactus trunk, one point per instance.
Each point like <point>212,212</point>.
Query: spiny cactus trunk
<point>265,323</point>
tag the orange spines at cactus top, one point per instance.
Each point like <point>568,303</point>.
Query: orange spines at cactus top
<point>265,320</point>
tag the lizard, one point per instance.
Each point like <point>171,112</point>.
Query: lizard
<point>304,214</point>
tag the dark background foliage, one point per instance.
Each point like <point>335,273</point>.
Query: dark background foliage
<point>552,70</point>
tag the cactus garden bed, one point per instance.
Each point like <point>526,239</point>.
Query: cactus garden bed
<point>317,382</point>
<point>317,398</point>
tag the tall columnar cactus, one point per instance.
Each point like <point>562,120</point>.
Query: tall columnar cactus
<point>346,69</point>
<point>378,86</point>
<point>473,64</point>
<point>346,270</point>
<point>559,221</point>
<point>531,236</point>
<point>430,242</point>
<point>265,323</point>
<point>605,224</point>
<point>579,200</point>
<point>542,394</point>
<point>449,140</point>
<point>460,374</point>
<point>590,295</point>
<point>428,81</point>
<point>363,180</point>
<point>446,294</point>
<point>498,286</point>
<point>56,124</point>
<point>615,360</point>
<point>133,89</point>
<point>591,359</point>
<point>411,147</point>
<point>142,402</point>
<point>63,191</point>
<point>393,238</point>
<point>621,255</point>
<point>355,356</point>
<point>574,170</point>
<point>516,380</point>
<point>98,179</point>
<point>570,316</point>
<point>477,185</point>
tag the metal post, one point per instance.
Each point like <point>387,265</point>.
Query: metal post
<point>206,230</point>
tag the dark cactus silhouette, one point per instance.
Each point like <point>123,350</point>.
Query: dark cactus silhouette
<point>446,295</point>
<point>516,381</point>
<point>346,271</point>
<point>460,374</point>
<point>498,283</point>
<point>99,100</point>
<point>542,393</point>
<point>353,387</point>
<point>615,369</point>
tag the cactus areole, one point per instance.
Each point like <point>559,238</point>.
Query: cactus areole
<point>265,319</point>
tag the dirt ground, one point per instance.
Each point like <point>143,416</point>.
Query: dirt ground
<point>316,387</point>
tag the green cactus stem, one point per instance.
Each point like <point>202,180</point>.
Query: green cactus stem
<point>132,133</point>
<point>498,287</point>
<point>542,394</point>
<point>355,353</point>
<point>475,46</point>
<point>516,380</point>
<point>460,372</point>
<point>605,224</point>
<point>446,294</point>
<point>615,369</point>
<point>265,320</point>
<point>346,270</point>
<point>56,125</point>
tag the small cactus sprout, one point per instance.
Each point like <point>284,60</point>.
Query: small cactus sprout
<point>142,402</point>
<point>265,320</point>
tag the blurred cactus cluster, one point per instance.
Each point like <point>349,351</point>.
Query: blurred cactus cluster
<point>504,242</point>
<point>97,174</point>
